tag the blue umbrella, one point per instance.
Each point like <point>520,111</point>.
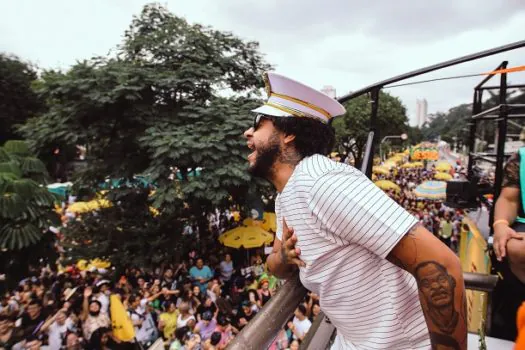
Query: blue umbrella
<point>431,190</point>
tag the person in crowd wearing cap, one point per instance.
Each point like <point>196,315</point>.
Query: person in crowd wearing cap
<point>264,291</point>
<point>377,271</point>
<point>509,247</point>
<point>92,317</point>
<point>104,291</point>
<point>206,326</point>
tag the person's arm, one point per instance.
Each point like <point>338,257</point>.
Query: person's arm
<point>284,259</point>
<point>85,303</point>
<point>505,212</point>
<point>439,278</point>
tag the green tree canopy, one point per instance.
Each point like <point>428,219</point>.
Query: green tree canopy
<point>18,101</point>
<point>352,128</point>
<point>175,99</point>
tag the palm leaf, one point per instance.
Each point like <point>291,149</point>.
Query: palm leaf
<point>18,236</point>
<point>11,205</point>
<point>17,147</point>
<point>24,187</point>
<point>10,167</point>
<point>4,156</point>
<point>32,165</point>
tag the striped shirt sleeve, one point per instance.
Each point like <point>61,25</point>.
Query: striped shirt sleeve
<point>348,205</point>
<point>278,218</point>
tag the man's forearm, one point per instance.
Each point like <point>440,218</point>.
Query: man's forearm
<point>278,268</point>
<point>443,299</point>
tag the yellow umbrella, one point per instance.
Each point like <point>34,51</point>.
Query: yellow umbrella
<point>269,222</point>
<point>412,165</point>
<point>389,164</point>
<point>84,207</point>
<point>443,176</point>
<point>443,166</point>
<point>387,185</point>
<point>380,170</point>
<point>246,236</point>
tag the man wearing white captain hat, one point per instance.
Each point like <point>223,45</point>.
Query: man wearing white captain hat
<point>384,281</point>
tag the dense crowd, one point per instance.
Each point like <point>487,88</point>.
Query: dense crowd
<point>443,222</point>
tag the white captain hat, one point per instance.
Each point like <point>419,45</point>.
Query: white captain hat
<point>290,98</point>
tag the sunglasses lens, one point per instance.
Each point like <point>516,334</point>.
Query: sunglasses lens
<point>256,121</point>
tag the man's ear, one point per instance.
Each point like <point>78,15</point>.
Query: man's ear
<point>289,139</point>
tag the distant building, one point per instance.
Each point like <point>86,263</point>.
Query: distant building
<point>421,112</point>
<point>329,90</point>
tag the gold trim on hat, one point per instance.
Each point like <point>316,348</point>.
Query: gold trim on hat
<point>304,103</point>
<point>293,111</point>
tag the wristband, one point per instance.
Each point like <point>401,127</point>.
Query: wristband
<point>501,221</point>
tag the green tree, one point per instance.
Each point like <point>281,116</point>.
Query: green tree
<point>352,128</point>
<point>26,211</point>
<point>18,101</point>
<point>174,101</point>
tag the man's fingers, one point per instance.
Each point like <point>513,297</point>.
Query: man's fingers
<point>298,262</point>
<point>290,242</point>
<point>516,236</point>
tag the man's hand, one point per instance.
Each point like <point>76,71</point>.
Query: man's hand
<point>88,292</point>
<point>502,234</point>
<point>289,253</point>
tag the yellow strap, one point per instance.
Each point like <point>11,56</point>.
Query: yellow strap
<point>304,103</point>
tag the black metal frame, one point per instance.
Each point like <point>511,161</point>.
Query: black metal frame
<point>262,329</point>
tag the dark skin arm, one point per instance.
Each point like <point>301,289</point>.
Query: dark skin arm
<point>437,271</point>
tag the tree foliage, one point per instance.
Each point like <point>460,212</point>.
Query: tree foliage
<point>18,101</point>
<point>175,100</point>
<point>352,128</point>
<point>26,207</point>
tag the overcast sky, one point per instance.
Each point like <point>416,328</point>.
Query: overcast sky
<point>345,43</point>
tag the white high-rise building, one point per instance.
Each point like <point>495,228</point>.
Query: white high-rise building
<point>329,90</point>
<point>421,112</point>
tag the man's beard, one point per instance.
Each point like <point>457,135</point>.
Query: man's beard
<point>266,157</point>
<point>94,313</point>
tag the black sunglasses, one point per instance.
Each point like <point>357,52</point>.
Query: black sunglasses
<point>258,119</point>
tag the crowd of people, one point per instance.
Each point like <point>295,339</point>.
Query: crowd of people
<point>197,303</point>
<point>443,222</point>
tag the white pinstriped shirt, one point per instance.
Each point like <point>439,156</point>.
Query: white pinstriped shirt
<point>345,227</point>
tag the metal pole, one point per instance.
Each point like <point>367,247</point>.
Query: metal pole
<point>261,331</point>
<point>374,129</point>
<point>502,132</point>
<point>476,108</point>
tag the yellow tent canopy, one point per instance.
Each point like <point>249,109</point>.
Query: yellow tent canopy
<point>246,236</point>
<point>443,166</point>
<point>84,207</point>
<point>380,170</point>
<point>443,176</point>
<point>387,185</point>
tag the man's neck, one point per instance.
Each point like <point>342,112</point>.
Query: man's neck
<point>281,174</point>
